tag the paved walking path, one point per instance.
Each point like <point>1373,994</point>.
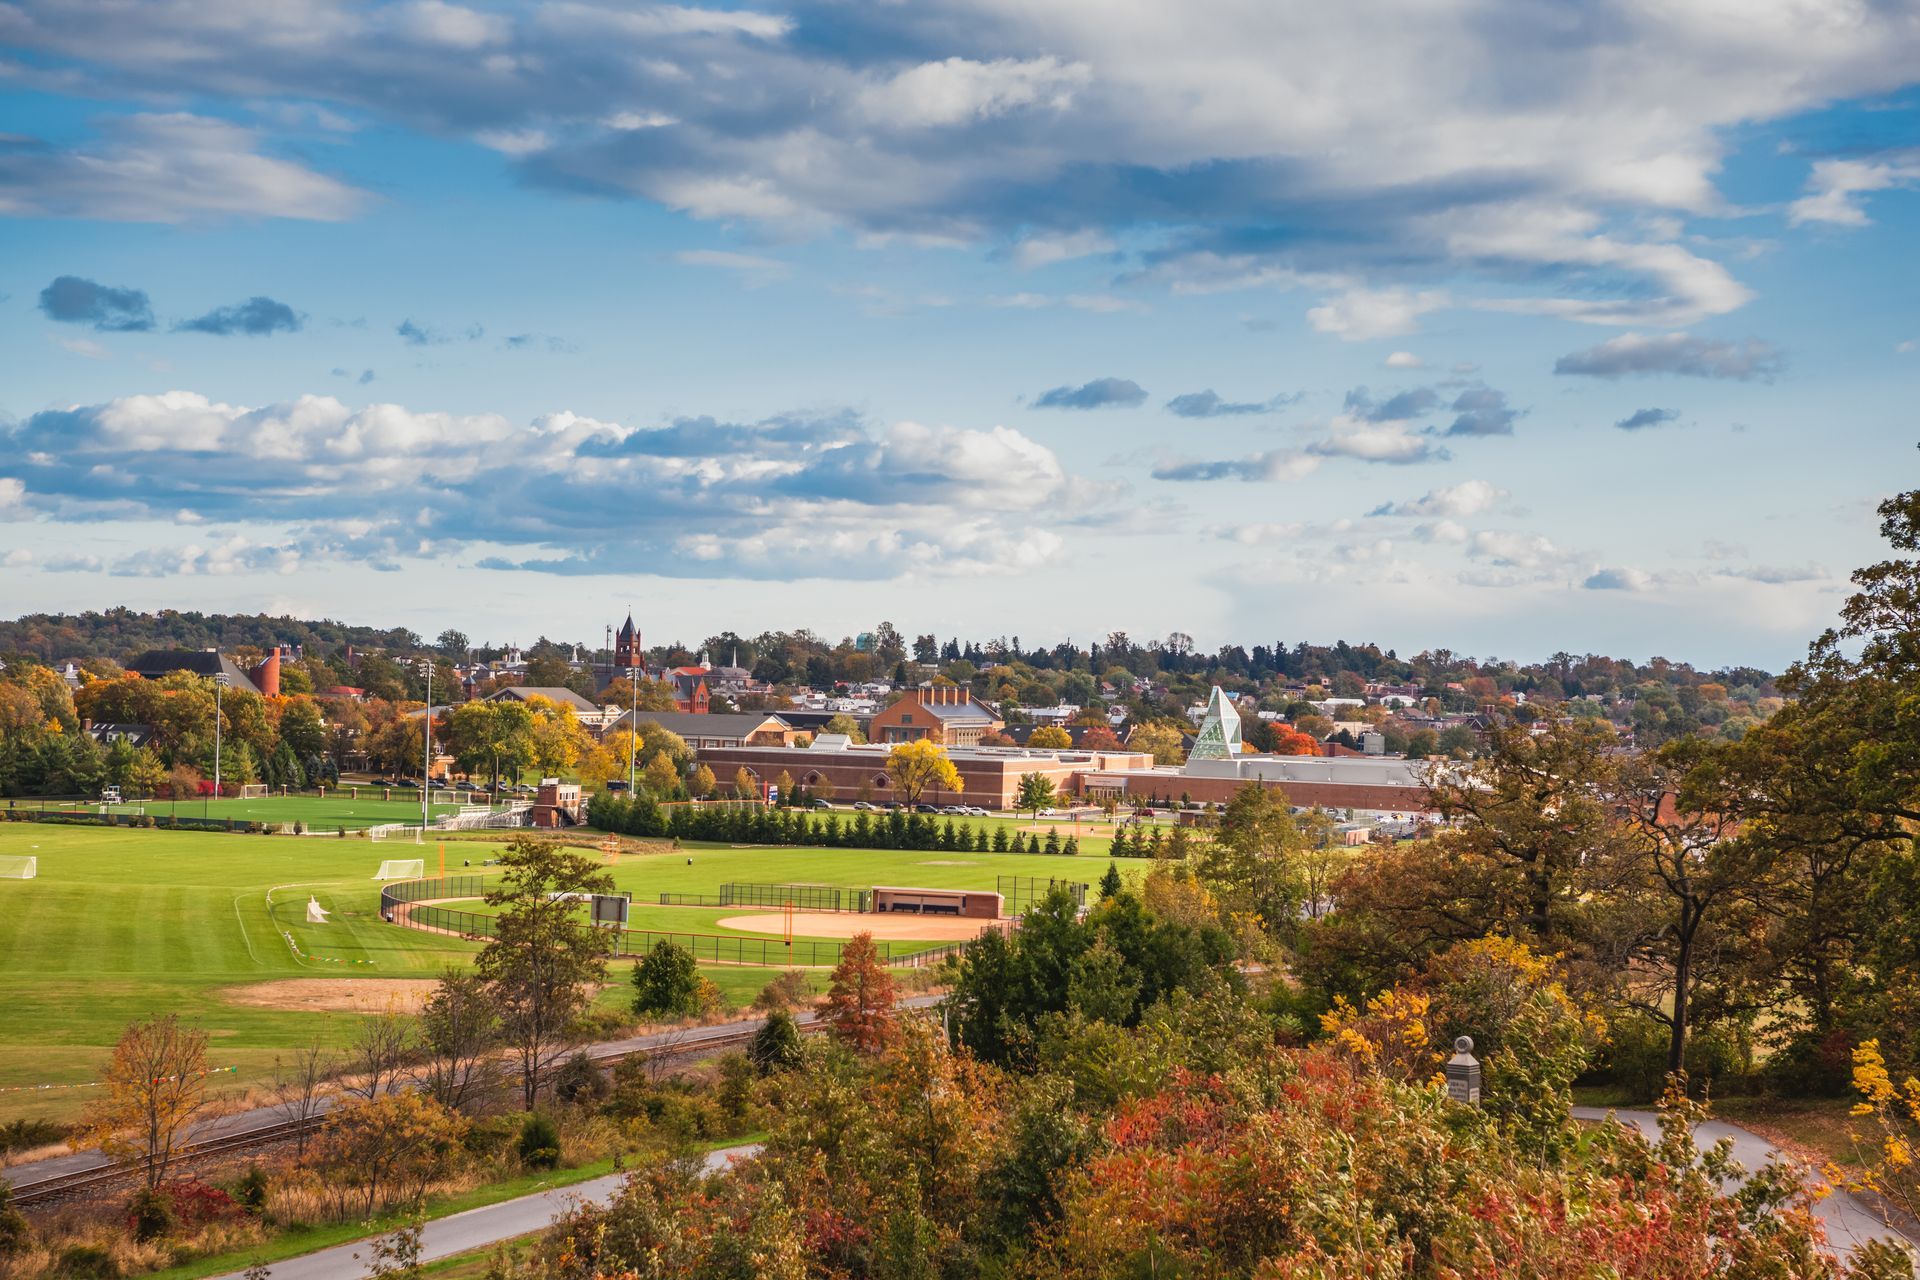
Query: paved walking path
<point>1848,1219</point>
<point>474,1229</point>
<point>1848,1222</point>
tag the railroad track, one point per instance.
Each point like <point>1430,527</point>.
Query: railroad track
<point>73,1185</point>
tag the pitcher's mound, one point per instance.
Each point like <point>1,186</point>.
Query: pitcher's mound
<point>844,924</point>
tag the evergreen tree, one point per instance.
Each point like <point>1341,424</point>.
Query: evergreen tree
<point>1110,883</point>
<point>1052,845</point>
<point>666,983</point>
<point>999,839</point>
<point>776,1045</point>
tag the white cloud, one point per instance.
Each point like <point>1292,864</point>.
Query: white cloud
<point>1404,360</point>
<point>1441,531</point>
<point>85,347</point>
<point>751,267</point>
<point>514,142</point>
<point>168,168</point>
<point>1359,315</point>
<point>1350,437</point>
<point>825,495</point>
<point>1834,185</point>
<point>1618,579</point>
<point>1513,549</point>
<point>959,90</point>
<point>1458,501</point>
<point>452,26</point>
<point>1045,250</point>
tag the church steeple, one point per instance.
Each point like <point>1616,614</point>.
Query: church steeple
<point>628,651</point>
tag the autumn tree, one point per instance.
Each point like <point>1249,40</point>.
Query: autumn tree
<point>1528,814</point>
<point>663,780</point>
<point>497,735</point>
<point>1050,738</point>
<point>153,1087</point>
<point>1682,877</point>
<point>919,766</point>
<point>702,783</point>
<point>1252,863</point>
<point>388,1150</point>
<point>844,723</point>
<point>556,740</point>
<point>1163,741</point>
<point>859,1006</point>
<point>544,959</point>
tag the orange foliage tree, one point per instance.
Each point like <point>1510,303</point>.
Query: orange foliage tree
<point>859,1007</point>
<point>155,1084</point>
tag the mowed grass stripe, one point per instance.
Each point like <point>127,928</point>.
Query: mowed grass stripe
<point>123,924</point>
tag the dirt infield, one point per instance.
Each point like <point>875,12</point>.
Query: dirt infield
<point>844,924</point>
<point>335,995</point>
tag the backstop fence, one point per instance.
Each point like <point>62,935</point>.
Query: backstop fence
<point>1020,894</point>
<point>423,913</point>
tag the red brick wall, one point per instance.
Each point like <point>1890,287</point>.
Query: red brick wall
<point>1328,795</point>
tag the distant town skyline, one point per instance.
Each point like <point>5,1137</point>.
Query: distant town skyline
<point>1505,330</point>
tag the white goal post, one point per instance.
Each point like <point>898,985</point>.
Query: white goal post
<point>253,791</point>
<point>18,868</point>
<point>402,869</point>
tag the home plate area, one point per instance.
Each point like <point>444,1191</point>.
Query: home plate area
<point>844,924</point>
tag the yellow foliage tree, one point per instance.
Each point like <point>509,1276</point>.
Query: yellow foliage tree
<point>918,766</point>
<point>1050,738</point>
<point>155,1084</point>
<point>1162,740</point>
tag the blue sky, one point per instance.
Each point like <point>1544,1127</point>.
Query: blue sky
<point>1500,326</point>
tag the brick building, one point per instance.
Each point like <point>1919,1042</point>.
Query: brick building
<point>945,714</point>
<point>990,776</point>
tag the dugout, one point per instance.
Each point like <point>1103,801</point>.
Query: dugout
<point>976,904</point>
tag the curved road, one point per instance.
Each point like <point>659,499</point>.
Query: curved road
<point>474,1229</point>
<point>1846,1217</point>
<point>1848,1222</point>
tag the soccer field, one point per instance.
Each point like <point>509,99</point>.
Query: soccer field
<point>120,924</point>
<point>319,813</point>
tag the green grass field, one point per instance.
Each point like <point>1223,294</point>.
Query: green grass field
<point>353,813</point>
<point>120,924</point>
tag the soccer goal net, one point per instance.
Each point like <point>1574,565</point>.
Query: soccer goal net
<point>253,791</point>
<point>402,869</point>
<point>16,868</point>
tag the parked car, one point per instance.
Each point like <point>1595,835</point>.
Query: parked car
<point>819,804</point>
<point>956,810</point>
<point>926,808</point>
<point>973,811</point>
<point>866,806</point>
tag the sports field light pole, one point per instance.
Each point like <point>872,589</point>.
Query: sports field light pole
<point>219,683</point>
<point>426,755</point>
<point>633,732</point>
